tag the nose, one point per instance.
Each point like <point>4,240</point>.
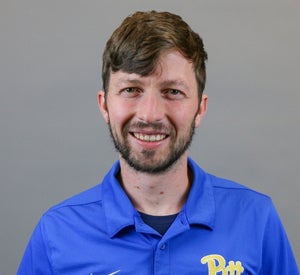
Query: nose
<point>151,107</point>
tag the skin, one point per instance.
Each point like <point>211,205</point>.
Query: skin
<point>153,115</point>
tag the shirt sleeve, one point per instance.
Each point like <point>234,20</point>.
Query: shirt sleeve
<point>35,259</point>
<point>277,258</point>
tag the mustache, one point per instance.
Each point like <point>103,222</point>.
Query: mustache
<point>140,125</point>
<point>143,125</point>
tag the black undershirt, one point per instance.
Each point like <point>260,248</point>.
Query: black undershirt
<point>159,223</point>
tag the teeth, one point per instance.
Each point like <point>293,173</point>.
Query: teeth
<point>150,138</point>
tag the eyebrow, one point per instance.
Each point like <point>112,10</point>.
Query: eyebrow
<point>176,83</point>
<point>128,81</point>
<point>133,81</point>
<point>165,83</point>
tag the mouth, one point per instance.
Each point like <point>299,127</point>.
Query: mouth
<point>150,137</point>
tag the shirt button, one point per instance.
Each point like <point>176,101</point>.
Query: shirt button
<point>163,246</point>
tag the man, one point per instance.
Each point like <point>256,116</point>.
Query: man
<point>157,211</point>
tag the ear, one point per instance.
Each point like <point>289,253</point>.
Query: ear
<point>102,105</point>
<point>201,111</point>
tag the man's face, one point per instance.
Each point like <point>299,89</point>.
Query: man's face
<point>152,118</point>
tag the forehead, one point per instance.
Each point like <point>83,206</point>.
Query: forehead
<point>172,69</point>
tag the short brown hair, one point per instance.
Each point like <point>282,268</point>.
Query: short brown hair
<point>136,45</point>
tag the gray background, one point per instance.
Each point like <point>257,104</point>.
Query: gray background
<point>54,142</point>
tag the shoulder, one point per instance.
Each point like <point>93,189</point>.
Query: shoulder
<point>226,190</point>
<point>230,187</point>
<point>73,211</point>
<point>91,195</point>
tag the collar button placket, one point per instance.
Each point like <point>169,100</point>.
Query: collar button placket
<point>162,258</point>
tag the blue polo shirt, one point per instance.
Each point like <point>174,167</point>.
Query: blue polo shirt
<point>223,228</point>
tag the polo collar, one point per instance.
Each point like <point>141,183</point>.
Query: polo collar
<point>120,213</point>
<point>118,209</point>
<point>200,206</point>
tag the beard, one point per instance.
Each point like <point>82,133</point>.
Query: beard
<point>145,160</point>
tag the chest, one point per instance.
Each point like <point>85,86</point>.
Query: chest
<point>195,251</point>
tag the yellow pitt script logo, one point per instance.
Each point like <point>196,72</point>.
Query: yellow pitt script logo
<point>217,265</point>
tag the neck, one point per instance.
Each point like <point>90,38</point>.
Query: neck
<point>157,194</point>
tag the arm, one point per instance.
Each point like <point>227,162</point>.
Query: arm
<point>277,258</point>
<point>36,259</point>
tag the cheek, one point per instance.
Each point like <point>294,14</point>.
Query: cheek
<point>119,114</point>
<point>182,123</point>
<point>184,117</point>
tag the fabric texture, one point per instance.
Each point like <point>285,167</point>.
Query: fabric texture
<point>223,228</point>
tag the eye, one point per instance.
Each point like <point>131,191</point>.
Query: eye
<point>173,94</point>
<point>130,92</point>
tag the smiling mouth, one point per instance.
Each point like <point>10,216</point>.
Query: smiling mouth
<point>150,138</point>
